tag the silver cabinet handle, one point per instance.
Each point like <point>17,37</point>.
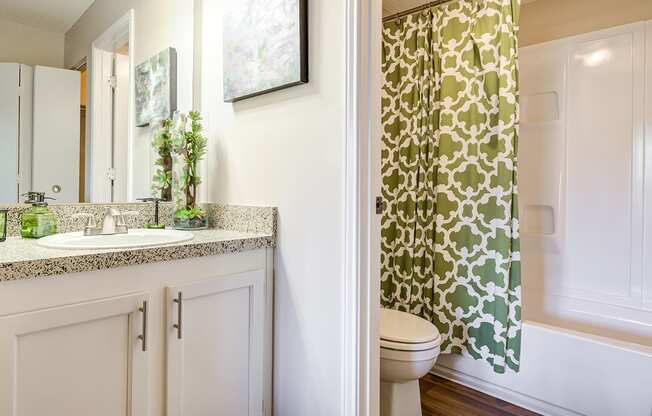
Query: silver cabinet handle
<point>143,337</point>
<point>179,301</point>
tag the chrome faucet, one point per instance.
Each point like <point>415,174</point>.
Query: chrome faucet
<point>113,223</point>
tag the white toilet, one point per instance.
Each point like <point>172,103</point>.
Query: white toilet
<point>409,347</point>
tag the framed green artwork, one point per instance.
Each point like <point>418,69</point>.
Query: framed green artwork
<point>156,87</point>
<point>265,46</point>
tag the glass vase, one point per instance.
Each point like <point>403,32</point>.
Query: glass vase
<point>188,215</point>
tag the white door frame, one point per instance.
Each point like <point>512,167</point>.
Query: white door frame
<point>100,106</point>
<point>361,350</point>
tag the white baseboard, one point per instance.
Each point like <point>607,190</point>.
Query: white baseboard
<point>519,399</point>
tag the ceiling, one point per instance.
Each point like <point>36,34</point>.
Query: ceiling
<point>49,15</point>
<point>395,6</point>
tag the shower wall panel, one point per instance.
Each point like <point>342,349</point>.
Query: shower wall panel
<point>582,182</point>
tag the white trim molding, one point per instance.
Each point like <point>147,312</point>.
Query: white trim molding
<point>361,375</point>
<point>100,119</point>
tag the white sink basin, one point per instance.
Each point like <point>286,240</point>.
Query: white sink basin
<point>134,239</point>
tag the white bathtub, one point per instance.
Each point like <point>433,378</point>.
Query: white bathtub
<point>565,373</point>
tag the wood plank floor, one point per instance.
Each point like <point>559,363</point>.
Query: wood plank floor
<point>441,397</point>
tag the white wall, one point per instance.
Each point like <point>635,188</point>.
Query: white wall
<point>287,149</point>
<point>30,46</point>
<point>159,24</point>
<point>9,113</point>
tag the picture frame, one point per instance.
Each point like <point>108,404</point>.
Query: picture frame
<point>265,47</point>
<point>156,87</point>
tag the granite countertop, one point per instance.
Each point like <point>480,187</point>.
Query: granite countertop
<point>24,259</point>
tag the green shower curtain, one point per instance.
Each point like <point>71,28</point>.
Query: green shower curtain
<point>450,244</point>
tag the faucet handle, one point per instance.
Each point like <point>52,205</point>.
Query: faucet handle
<point>91,218</point>
<point>120,218</point>
<point>91,226</point>
<point>120,221</point>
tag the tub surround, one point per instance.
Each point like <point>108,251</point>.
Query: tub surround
<point>233,229</point>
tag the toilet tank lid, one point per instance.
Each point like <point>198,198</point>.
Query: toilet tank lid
<point>404,327</point>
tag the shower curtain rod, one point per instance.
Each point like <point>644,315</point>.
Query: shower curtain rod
<point>413,10</point>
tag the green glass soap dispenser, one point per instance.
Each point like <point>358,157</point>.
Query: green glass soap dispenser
<point>38,221</point>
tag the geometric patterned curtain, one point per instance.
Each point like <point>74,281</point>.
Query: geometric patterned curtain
<point>450,243</point>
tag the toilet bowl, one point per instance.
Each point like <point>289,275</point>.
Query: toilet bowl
<point>409,347</point>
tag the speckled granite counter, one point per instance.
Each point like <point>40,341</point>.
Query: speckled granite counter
<point>23,259</point>
<point>238,229</point>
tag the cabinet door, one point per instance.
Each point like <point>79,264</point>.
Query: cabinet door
<point>216,346</point>
<point>75,360</point>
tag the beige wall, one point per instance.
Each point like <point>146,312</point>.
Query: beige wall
<point>284,149</point>
<point>546,20</point>
<point>287,149</point>
<point>27,45</point>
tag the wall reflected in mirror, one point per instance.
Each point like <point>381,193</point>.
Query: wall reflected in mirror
<point>69,89</point>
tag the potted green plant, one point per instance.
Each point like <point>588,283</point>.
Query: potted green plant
<point>189,145</point>
<point>162,144</point>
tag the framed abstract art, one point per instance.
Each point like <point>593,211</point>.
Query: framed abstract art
<point>265,46</point>
<point>156,87</point>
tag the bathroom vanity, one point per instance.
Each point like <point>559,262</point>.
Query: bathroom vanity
<point>178,329</point>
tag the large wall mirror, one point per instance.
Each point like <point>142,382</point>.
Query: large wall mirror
<point>81,88</point>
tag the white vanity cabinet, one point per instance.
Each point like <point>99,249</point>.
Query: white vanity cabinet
<point>181,338</point>
<point>69,359</point>
<point>215,350</point>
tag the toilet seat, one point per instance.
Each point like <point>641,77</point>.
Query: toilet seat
<point>402,331</point>
<point>416,346</point>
